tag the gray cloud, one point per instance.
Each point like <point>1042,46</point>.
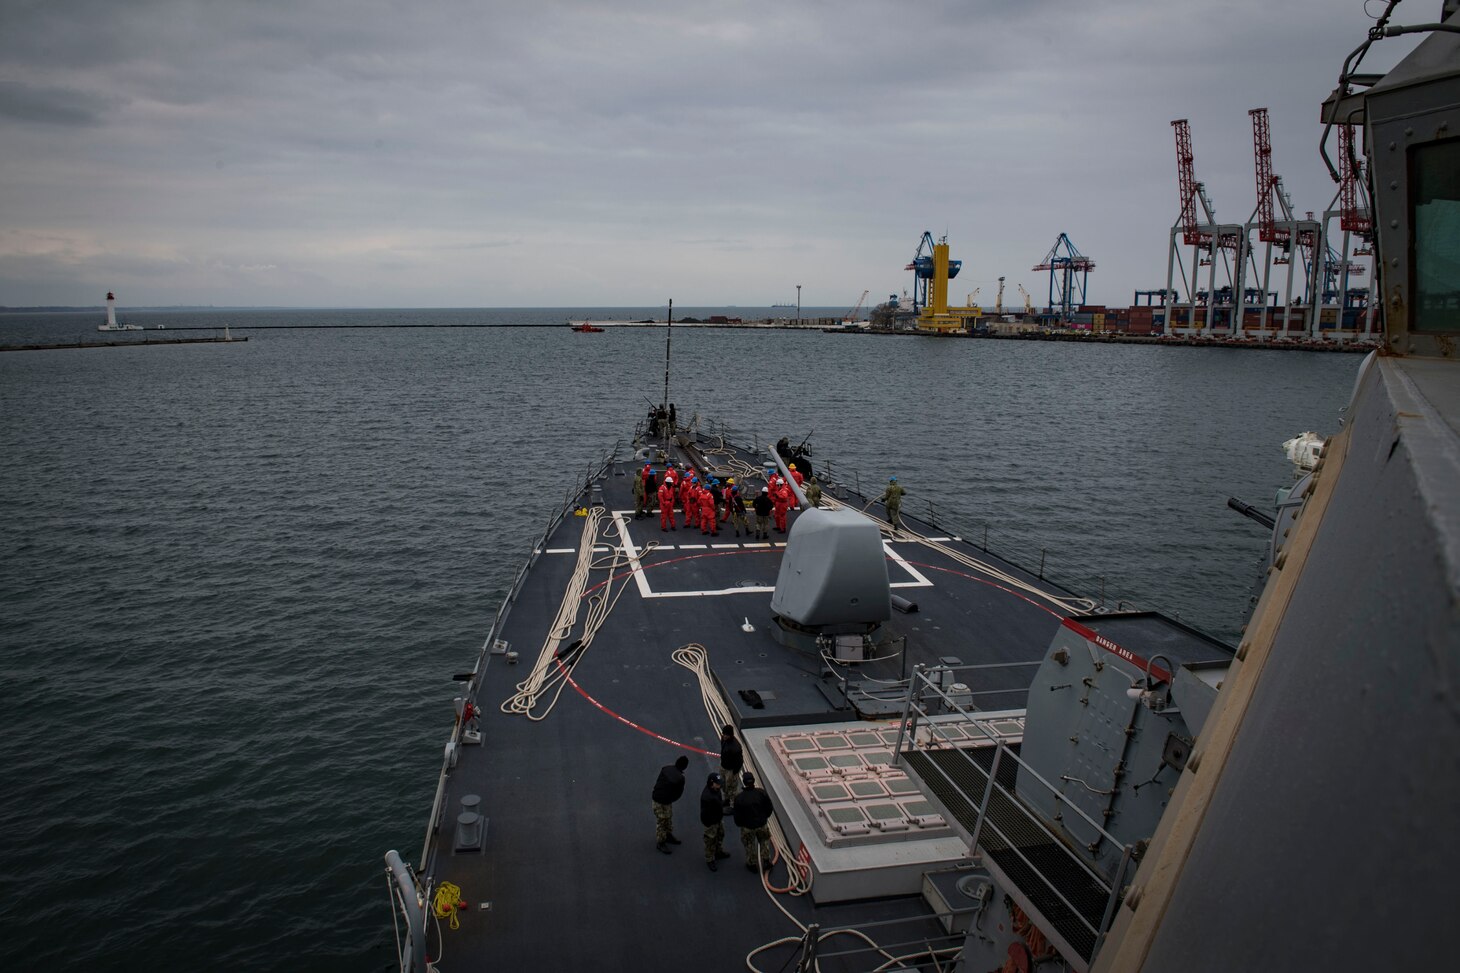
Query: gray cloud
<point>445,151</point>
<point>53,105</point>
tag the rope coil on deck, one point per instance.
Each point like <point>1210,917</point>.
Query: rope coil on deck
<point>696,658</point>
<point>549,673</point>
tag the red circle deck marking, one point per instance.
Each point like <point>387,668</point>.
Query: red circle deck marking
<point>992,584</point>
<point>690,557</point>
<point>625,720</point>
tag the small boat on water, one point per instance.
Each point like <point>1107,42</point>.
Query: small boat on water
<point>584,326</point>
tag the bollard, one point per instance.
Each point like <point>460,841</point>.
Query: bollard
<point>470,825</point>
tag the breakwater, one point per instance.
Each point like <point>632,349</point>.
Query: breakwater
<point>56,346</point>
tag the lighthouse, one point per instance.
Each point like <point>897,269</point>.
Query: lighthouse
<point>111,317</point>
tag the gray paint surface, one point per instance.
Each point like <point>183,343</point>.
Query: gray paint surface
<point>834,571</point>
<point>1336,813</point>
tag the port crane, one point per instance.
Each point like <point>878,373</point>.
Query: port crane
<point>1028,304</point>
<point>851,317</point>
<point>925,272</point>
<point>1211,244</point>
<point>1069,269</point>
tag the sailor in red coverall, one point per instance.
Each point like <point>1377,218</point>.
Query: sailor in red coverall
<point>686,495</point>
<point>780,503</point>
<point>666,503</point>
<point>708,523</point>
<point>796,475</point>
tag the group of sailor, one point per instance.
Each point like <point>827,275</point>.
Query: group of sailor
<point>750,807</point>
<point>707,502</point>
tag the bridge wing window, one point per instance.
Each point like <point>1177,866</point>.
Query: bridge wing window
<point>1436,221</point>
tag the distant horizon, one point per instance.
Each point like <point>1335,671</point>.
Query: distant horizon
<point>64,308</point>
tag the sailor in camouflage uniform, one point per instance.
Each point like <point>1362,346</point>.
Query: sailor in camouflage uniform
<point>892,499</point>
<point>753,814</point>
<point>712,816</point>
<point>667,789</point>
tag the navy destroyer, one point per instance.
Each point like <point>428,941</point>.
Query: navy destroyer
<point>970,767</point>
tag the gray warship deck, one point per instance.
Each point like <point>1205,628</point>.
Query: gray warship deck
<point>568,876</point>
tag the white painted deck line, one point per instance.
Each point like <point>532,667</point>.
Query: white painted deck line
<point>633,553</point>
<point>921,581</point>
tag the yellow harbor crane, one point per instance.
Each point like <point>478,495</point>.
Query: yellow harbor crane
<point>1028,305</point>
<point>934,269</point>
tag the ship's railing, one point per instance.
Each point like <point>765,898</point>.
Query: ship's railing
<point>594,471</point>
<point>978,687</point>
<point>1012,697</point>
<point>1014,828</point>
<point>838,480</point>
<point>407,904</point>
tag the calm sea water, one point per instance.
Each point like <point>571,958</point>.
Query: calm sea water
<point>235,579</point>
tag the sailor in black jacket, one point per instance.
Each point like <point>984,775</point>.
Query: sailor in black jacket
<point>712,814</point>
<point>762,504</point>
<point>753,812</point>
<point>732,762</point>
<point>667,789</point>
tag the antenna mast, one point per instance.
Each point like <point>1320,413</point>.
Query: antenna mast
<point>668,335</point>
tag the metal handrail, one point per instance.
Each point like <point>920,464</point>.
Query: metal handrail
<point>907,731</point>
<point>492,634</point>
<point>1110,890</point>
<point>406,898</point>
<point>1034,773</point>
<point>1035,820</point>
<point>836,478</point>
<point>983,820</point>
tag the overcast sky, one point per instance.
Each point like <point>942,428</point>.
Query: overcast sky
<point>436,153</point>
